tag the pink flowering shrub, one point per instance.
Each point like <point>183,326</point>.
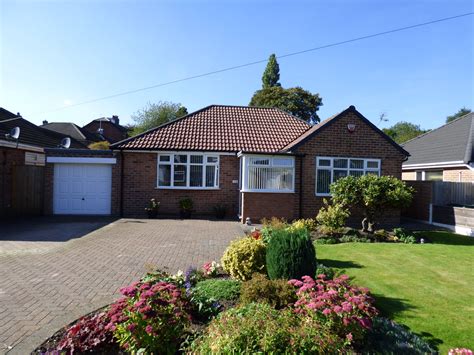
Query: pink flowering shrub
<point>460,351</point>
<point>150,316</point>
<point>347,309</point>
<point>210,268</point>
<point>88,334</point>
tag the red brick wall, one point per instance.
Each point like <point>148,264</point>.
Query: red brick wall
<point>266,205</point>
<point>335,140</point>
<point>420,206</point>
<point>140,181</point>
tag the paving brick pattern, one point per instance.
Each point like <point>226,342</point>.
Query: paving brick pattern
<point>41,292</point>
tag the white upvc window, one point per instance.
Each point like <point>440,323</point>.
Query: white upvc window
<point>331,169</point>
<point>188,171</point>
<point>263,173</point>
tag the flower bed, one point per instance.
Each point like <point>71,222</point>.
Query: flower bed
<point>233,308</point>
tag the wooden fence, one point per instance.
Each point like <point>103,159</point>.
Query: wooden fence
<point>453,193</point>
<point>27,190</point>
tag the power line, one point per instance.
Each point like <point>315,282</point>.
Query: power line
<point>261,61</point>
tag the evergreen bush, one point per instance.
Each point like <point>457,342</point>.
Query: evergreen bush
<point>290,254</point>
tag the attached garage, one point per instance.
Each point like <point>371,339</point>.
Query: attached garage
<point>82,186</point>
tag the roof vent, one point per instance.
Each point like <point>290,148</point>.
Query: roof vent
<point>45,122</point>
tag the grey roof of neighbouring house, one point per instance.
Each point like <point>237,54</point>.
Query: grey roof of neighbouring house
<point>72,130</point>
<point>453,142</point>
<point>30,133</point>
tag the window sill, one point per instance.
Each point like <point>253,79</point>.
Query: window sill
<point>270,191</point>
<point>185,188</point>
<point>323,195</point>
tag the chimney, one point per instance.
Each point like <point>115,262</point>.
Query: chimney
<point>115,119</point>
<point>45,122</point>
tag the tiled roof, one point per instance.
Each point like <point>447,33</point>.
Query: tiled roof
<point>30,133</point>
<point>452,142</point>
<point>223,128</point>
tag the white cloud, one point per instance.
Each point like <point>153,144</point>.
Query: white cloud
<point>67,102</point>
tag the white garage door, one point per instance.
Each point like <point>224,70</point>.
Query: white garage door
<point>82,188</point>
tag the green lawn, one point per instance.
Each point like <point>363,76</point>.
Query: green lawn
<point>428,287</point>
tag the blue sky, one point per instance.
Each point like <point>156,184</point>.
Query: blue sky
<point>57,53</point>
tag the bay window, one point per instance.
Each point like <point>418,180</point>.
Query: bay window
<point>268,173</point>
<point>188,171</point>
<point>331,169</point>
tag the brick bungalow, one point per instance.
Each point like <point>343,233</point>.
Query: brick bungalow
<point>259,162</point>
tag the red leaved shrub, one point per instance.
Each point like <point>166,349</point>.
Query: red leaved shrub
<point>88,334</point>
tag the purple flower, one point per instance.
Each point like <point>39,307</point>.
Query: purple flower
<point>149,329</point>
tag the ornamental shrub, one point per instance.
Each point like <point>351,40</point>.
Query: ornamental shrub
<point>327,271</point>
<point>88,334</point>
<point>218,289</point>
<point>388,337</point>
<point>149,316</point>
<point>259,328</point>
<point>372,194</point>
<point>244,257</point>
<point>332,218</point>
<point>310,224</point>
<point>276,293</point>
<point>290,254</point>
<point>348,310</point>
<point>404,235</point>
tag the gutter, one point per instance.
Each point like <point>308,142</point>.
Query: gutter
<point>22,146</point>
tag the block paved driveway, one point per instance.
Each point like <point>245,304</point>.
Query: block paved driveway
<point>54,271</point>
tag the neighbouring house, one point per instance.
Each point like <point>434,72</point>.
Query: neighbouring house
<point>443,154</point>
<point>74,131</point>
<point>259,162</point>
<point>22,162</point>
<point>107,127</point>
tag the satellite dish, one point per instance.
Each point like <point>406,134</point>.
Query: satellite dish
<point>65,142</point>
<point>100,131</point>
<point>14,133</point>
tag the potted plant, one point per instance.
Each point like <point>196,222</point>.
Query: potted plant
<point>185,207</point>
<point>152,209</point>
<point>220,210</point>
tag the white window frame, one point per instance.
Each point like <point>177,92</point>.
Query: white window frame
<point>331,167</point>
<point>188,165</point>
<point>247,163</point>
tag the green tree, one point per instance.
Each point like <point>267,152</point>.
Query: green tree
<point>297,101</point>
<point>103,145</point>
<point>154,115</point>
<point>271,75</point>
<point>463,111</point>
<point>371,194</point>
<point>403,131</point>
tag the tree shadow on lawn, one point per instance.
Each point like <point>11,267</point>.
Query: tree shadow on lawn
<point>389,307</point>
<point>340,264</point>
